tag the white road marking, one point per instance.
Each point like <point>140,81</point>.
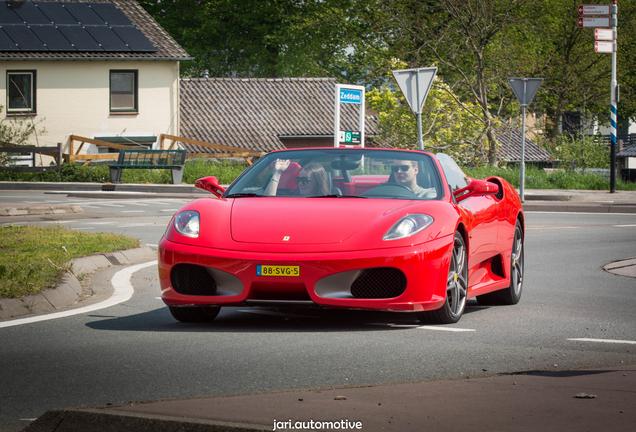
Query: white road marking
<point>553,227</point>
<point>123,291</point>
<point>133,211</point>
<point>99,223</point>
<point>135,225</point>
<point>169,210</point>
<point>262,312</point>
<point>603,341</point>
<point>586,213</point>
<point>449,329</point>
<point>624,226</point>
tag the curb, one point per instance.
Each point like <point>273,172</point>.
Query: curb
<point>69,291</point>
<point>77,420</point>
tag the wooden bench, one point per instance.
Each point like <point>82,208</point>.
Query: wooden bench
<point>174,160</point>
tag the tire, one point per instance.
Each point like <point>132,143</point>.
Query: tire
<point>512,294</point>
<point>456,288</point>
<point>194,314</point>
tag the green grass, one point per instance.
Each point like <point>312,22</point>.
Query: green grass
<point>539,179</point>
<point>34,258</point>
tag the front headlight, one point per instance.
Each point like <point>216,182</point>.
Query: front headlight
<point>407,226</point>
<point>187,223</point>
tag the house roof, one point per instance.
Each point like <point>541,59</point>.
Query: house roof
<point>252,113</point>
<point>627,152</point>
<point>510,150</point>
<point>162,45</point>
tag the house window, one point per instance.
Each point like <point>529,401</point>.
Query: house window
<point>123,91</point>
<point>20,91</point>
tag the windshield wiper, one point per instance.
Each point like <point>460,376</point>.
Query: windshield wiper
<point>244,194</point>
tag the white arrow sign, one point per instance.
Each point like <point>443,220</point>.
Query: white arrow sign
<point>603,34</point>
<point>594,9</point>
<point>594,22</point>
<point>603,47</point>
<point>409,80</point>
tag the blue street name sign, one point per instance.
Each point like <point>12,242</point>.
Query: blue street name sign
<point>350,96</point>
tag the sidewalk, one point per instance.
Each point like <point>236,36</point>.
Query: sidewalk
<point>580,400</point>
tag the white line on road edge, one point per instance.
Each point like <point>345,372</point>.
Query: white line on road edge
<point>604,341</point>
<point>123,291</point>
<point>450,329</point>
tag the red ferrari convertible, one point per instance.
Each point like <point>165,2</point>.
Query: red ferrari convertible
<point>356,228</point>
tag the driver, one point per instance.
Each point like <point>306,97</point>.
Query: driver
<point>405,173</point>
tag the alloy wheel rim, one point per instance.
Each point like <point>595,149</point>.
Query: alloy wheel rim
<point>456,286</point>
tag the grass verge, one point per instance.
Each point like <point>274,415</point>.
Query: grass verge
<point>33,258</point>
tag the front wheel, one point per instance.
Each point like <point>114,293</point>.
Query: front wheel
<point>512,294</point>
<point>191,314</point>
<point>456,288</point>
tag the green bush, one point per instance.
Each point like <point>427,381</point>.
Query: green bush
<point>539,179</point>
<point>225,171</point>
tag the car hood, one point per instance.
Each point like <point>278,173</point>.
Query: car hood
<point>304,220</point>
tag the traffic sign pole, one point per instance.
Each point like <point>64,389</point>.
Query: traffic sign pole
<point>524,89</point>
<point>614,110</point>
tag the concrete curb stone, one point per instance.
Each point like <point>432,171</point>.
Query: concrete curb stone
<point>76,420</point>
<point>69,291</point>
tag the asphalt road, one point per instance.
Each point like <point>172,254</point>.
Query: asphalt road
<point>136,351</point>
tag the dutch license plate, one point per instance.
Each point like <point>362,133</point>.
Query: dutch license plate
<point>272,270</point>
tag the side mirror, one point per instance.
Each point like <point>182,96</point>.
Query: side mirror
<point>476,188</point>
<point>210,184</point>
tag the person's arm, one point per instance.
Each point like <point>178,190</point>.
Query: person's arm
<point>279,166</point>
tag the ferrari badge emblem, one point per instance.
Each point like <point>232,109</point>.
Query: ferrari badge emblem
<point>286,238</point>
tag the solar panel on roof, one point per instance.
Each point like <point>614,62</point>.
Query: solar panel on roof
<point>107,38</point>
<point>79,38</point>
<point>24,38</point>
<point>53,38</point>
<point>31,14</point>
<point>8,15</point>
<point>69,26</point>
<point>6,43</point>
<point>135,40</point>
<point>83,13</point>
<point>56,13</point>
<point>109,13</point>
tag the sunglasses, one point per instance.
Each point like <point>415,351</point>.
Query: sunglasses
<point>404,168</point>
<point>302,180</point>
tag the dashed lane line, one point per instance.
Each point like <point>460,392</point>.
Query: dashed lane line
<point>603,341</point>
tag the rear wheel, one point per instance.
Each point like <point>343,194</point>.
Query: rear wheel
<point>456,288</point>
<point>512,294</point>
<point>194,314</point>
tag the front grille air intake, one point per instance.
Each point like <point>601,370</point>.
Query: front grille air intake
<point>377,283</point>
<point>190,279</point>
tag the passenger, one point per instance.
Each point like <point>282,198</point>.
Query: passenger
<point>405,172</point>
<point>311,181</point>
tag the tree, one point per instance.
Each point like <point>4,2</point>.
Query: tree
<point>17,132</point>
<point>466,40</point>
<point>269,38</point>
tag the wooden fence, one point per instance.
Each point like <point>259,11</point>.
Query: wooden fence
<point>55,152</point>
<point>229,151</point>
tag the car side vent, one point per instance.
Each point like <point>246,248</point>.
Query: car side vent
<point>381,282</point>
<point>190,279</point>
<point>499,195</point>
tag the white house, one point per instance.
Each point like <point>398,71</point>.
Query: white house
<point>100,69</point>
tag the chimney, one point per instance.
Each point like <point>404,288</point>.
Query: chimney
<point>206,73</point>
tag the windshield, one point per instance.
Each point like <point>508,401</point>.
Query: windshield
<point>340,172</point>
